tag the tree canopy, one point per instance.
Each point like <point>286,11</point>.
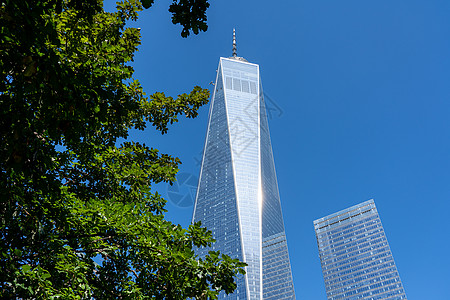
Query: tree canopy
<point>78,216</point>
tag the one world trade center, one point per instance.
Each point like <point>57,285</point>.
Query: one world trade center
<point>237,196</point>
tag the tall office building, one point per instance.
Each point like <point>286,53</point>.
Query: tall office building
<point>237,196</point>
<point>356,260</point>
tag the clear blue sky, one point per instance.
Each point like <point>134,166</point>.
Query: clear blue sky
<point>361,99</point>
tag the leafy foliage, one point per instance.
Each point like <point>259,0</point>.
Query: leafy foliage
<point>78,217</point>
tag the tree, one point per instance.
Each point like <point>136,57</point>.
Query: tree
<point>78,216</point>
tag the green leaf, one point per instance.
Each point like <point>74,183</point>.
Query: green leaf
<point>26,268</point>
<point>147,3</point>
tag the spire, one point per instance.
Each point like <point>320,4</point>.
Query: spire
<point>235,49</point>
<point>234,43</point>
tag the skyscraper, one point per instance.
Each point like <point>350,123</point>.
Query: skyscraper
<point>237,196</point>
<point>356,260</point>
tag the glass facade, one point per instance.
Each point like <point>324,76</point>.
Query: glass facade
<point>237,197</point>
<point>357,262</point>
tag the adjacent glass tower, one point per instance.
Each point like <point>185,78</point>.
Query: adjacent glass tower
<point>356,260</point>
<point>237,196</point>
